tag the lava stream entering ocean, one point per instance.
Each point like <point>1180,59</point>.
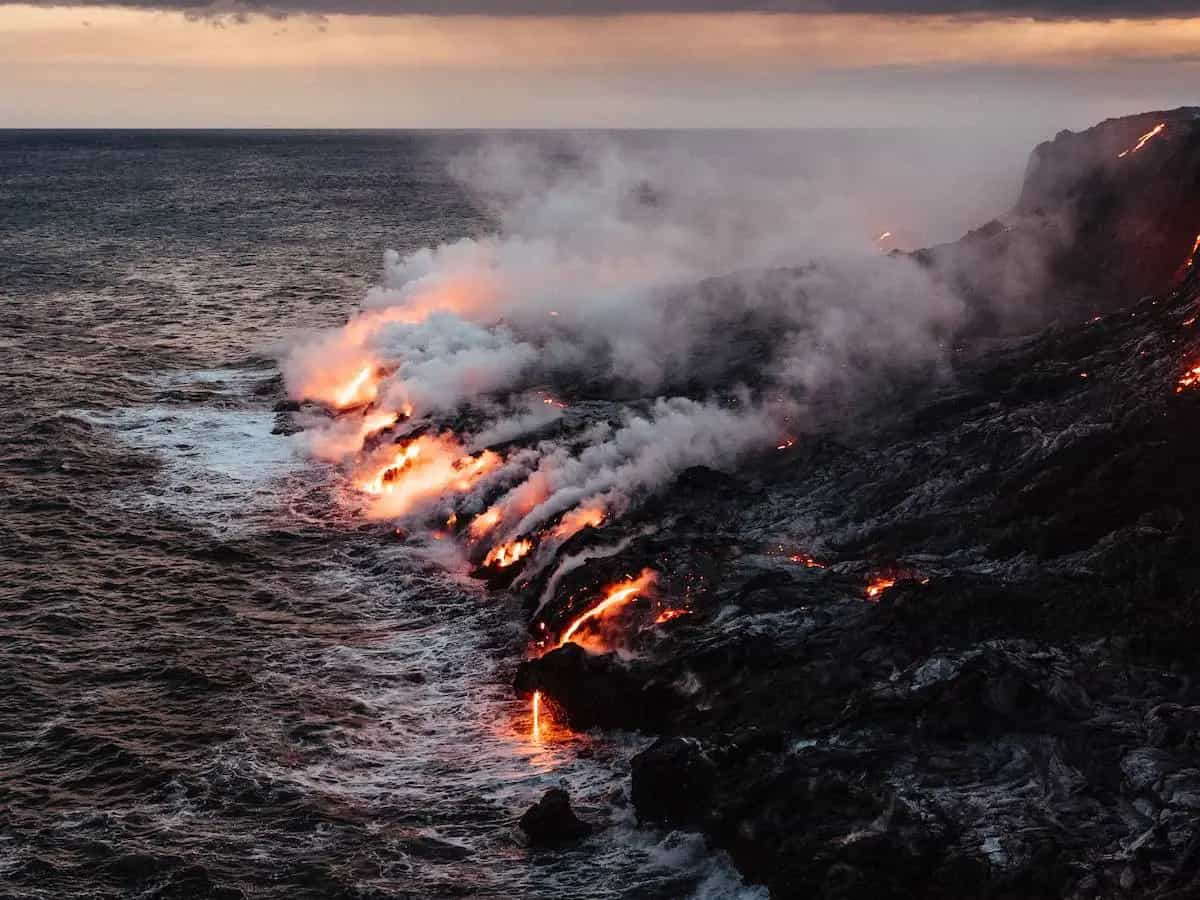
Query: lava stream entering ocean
<point>359,391</point>
<point>535,733</point>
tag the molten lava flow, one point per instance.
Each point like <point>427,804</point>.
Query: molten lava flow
<point>1189,379</point>
<point>1144,140</point>
<point>668,614</point>
<point>1195,252</point>
<point>878,585</point>
<point>360,390</point>
<point>807,561</point>
<point>383,481</point>
<point>375,422</point>
<point>577,520</point>
<point>506,554</point>
<point>418,471</point>
<point>470,468</point>
<point>535,733</point>
<point>788,442</point>
<point>616,596</point>
<point>485,522</point>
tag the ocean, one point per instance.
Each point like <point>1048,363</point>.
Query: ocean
<point>212,684</point>
<point>215,681</point>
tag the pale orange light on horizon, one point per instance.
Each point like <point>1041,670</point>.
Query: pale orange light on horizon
<point>32,35</point>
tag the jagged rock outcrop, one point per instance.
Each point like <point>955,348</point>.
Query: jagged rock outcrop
<point>1098,226</point>
<point>551,821</point>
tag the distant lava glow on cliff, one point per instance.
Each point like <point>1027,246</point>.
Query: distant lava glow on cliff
<point>1144,140</point>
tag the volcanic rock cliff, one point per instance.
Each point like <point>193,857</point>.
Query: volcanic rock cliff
<point>1106,216</point>
<point>946,649</point>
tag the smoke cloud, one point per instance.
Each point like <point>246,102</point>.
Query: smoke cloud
<point>717,310</point>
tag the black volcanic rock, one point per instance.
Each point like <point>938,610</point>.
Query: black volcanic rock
<point>551,821</point>
<point>596,690</point>
<point>673,781</point>
<point>1018,715</point>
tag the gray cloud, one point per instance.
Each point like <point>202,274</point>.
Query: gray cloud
<point>1045,9</point>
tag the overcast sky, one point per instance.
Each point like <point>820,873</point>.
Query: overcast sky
<point>1030,65</point>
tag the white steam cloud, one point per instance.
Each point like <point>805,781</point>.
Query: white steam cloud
<point>614,272</point>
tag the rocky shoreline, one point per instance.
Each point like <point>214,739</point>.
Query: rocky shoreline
<point>1013,710</point>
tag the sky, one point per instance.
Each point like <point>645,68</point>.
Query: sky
<point>1033,65</point>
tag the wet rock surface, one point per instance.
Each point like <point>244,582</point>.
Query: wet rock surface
<point>551,821</point>
<point>1015,715</point>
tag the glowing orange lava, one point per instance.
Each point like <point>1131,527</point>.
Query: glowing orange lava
<point>1195,252</point>
<point>383,481</point>
<point>485,522</point>
<point>1144,140</point>
<point>668,614</point>
<point>505,555</point>
<point>807,561</point>
<point>788,442</point>
<point>577,520</point>
<point>878,585</point>
<point>1189,379</point>
<point>360,390</point>
<point>403,476</point>
<point>615,596</point>
<point>535,733</point>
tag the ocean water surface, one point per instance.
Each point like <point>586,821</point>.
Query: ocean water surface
<point>215,681</point>
<point>212,683</point>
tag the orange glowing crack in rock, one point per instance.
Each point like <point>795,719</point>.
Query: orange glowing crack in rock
<point>616,596</point>
<point>1144,140</point>
<point>878,585</point>
<point>1189,379</point>
<point>577,520</point>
